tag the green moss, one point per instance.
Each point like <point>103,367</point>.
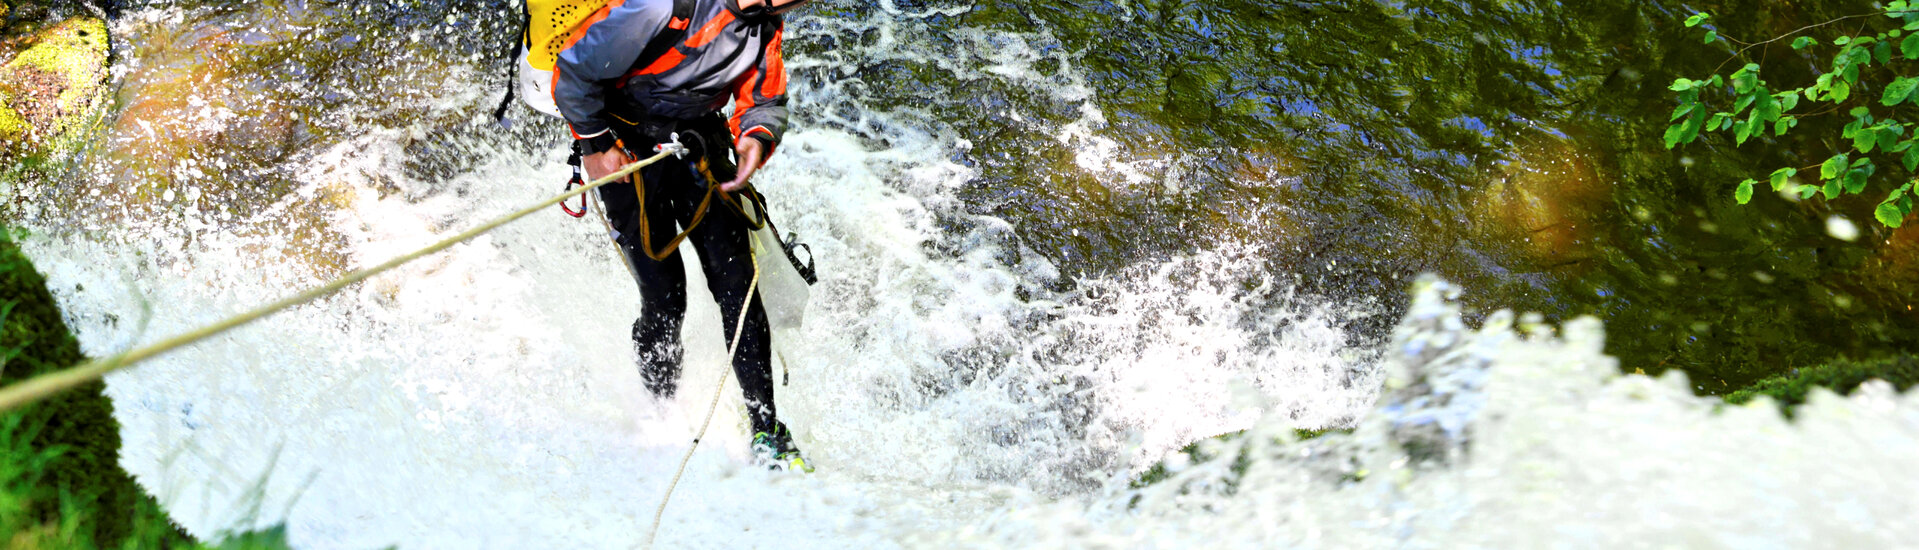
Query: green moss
<point>61,485</point>
<point>76,429</point>
<point>65,65</point>
<point>1840,376</point>
<point>77,51</point>
<point>11,125</point>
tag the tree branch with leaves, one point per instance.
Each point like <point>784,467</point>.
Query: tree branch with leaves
<point>1880,128</point>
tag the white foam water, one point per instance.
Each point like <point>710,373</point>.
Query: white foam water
<point>487,396</point>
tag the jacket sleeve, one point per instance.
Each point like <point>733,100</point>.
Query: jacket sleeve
<point>759,98</point>
<point>588,70</point>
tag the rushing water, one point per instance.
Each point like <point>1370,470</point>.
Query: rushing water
<point>1057,244</point>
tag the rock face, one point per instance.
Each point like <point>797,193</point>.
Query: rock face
<point>52,92</point>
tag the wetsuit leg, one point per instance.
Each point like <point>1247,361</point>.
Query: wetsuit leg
<point>656,334</point>
<point>727,260</point>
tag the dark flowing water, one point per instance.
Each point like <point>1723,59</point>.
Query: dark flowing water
<point>1512,146</point>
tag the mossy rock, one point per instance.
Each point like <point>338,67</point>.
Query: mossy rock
<point>77,426</point>
<point>1841,376</point>
<point>53,93</point>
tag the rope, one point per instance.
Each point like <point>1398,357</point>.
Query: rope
<point>739,328</point>
<point>47,385</point>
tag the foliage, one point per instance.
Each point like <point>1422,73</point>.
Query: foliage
<point>68,445</point>
<point>1878,129</point>
<point>1840,376</point>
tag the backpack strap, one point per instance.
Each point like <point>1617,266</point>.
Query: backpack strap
<point>513,60</point>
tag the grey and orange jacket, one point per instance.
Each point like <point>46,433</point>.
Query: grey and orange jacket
<point>724,54</point>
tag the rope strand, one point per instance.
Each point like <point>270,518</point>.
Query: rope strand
<point>739,328</point>
<point>50,384</point>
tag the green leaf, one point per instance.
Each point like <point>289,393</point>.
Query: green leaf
<point>1768,109</point>
<point>1912,159</point>
<point>1781,177</point>
<point>1839,91</point>
<point>1856,180</point>
<point>1787,101</point>
<point>1899,90</point>
<point>1682,84</point>
<point>1683,110</point>
<point>1807,191</point>
<point>1741,131</point>
<point>1780,128</point>
<point>1743,102</point>
<point>1744,193</point>
<point>1864,141</point>
<point>1882,52</point>
<point>1831,189</point>
<point>1801,42</point>
<point>1711,37</point>
<point>1673,133</point>
<point>1833,167</point>
<point>1910,46</point>
<point>1841,41</point>
<point>1693,123</point>
<point>1888,213</point>
<point>1696,19</point>
<point>1745,79</point>
<point>1686,130</point>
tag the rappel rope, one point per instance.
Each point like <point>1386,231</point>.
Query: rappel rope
<point>47,385</point>
<point>739,328</point>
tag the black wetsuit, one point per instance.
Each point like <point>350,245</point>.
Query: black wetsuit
<point>617,82</point>
<point>673,191</point>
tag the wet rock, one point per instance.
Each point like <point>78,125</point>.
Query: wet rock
<point>52,92</point>
<point>1545,202</point>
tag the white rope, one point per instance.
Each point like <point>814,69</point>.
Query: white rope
<point>739,328</point>
<point>47,385</point>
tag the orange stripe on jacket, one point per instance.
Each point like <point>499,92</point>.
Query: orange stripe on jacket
<point>775,83</point>
<point>672,58</point>
<point>742,100</point>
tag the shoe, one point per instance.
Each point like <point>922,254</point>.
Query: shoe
<point>777,452</point>
<point>659,363</point>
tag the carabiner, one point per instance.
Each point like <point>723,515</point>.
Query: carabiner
<point>581,213</point>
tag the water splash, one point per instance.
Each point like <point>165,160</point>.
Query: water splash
<point>955,387</point>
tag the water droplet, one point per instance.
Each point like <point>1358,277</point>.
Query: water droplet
<point>1841,228</point>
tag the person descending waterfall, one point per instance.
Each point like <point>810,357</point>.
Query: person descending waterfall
<point>640,73</point>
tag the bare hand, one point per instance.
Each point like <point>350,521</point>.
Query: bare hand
<point>598,165</point>
<point>751,153</point>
